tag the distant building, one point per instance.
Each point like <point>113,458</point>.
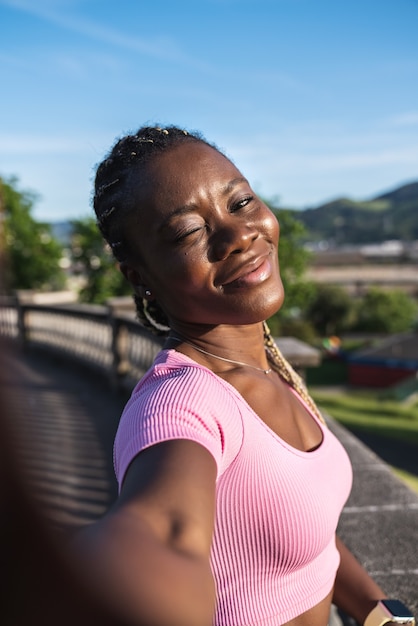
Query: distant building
<point>395,359</point>
<point>392,264</point>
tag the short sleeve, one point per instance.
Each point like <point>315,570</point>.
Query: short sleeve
<point>177,403</point>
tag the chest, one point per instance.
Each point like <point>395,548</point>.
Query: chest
<point>281,502</point>
<point>282,412</point>
<point>277,510</point>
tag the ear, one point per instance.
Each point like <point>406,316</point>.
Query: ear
<point>132,276</point>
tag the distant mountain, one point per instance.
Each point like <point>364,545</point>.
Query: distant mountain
<point>392,215</point>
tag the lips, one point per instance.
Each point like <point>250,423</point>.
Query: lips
<point>251,273</point>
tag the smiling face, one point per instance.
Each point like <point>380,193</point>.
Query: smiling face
<point>203,243</point>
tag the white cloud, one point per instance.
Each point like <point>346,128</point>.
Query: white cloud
<point>409,118</point>
<point>165,49</point>
<point>40,144</point>
<point>305,171</point>
<point>332,162</point>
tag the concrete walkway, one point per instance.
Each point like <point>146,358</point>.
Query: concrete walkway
<point>380,522</point>
<point>67,418</point>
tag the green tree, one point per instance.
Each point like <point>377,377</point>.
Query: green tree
<point>293,259</point>
<point>32,255</point>
<point>93,259</point>
<point>330,310</point>
<point>386,311</point>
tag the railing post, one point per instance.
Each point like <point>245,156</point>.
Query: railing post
<point>23,298</point>
<point>119,364</point>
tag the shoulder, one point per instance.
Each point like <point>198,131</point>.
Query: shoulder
<point>176,380</point>
<point>180,399</point>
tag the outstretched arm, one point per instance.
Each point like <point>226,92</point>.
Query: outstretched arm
<point>150,553</point>
<point>355,592</point>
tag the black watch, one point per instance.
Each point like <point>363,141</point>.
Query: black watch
<point>389,611</point>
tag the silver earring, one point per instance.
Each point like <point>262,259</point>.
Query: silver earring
<point>152,321</point>
<point>147,293</point>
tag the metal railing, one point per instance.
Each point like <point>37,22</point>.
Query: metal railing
<point>105,340</point>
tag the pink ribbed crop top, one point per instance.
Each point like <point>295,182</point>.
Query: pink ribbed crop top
<point>277,508</point>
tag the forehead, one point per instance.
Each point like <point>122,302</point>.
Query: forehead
<point>182,173</point>
<point>187,179</point>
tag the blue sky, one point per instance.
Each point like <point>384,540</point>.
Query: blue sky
<point>312,99</point>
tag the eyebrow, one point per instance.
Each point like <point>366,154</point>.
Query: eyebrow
<point>190,208</point>
<point>233,183</point>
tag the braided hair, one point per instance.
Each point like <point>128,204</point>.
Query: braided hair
<point>112,203</point>
<point>112,200</point>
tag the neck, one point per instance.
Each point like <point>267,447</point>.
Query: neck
<point>220,354</point>
<point>246,340</point>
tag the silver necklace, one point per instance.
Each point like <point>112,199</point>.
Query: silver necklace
<point>180,339</point>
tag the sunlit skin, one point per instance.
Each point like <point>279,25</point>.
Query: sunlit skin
<point>206,248</point>
<point>208,244</point>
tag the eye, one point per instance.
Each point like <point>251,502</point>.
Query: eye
<point>241,203</point>
<point>183,234</point>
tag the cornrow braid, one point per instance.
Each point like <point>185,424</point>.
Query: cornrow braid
<point>280,365</point>
<point>112,201</point>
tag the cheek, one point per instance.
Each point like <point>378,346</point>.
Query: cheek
<point>185,272</point>
<point>271,226</point>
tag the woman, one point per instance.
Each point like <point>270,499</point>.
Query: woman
<point>230,484</point>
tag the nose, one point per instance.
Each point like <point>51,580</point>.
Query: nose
<point>232,237</point>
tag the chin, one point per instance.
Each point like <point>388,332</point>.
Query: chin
<point>275,299</point>
<point>265,308</point>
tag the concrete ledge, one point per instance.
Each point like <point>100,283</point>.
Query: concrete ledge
<point>380,522</point>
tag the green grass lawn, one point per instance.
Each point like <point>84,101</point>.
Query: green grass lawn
<point>366,411</point>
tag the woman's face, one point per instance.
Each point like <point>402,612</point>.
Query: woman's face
<point>207,246</point>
